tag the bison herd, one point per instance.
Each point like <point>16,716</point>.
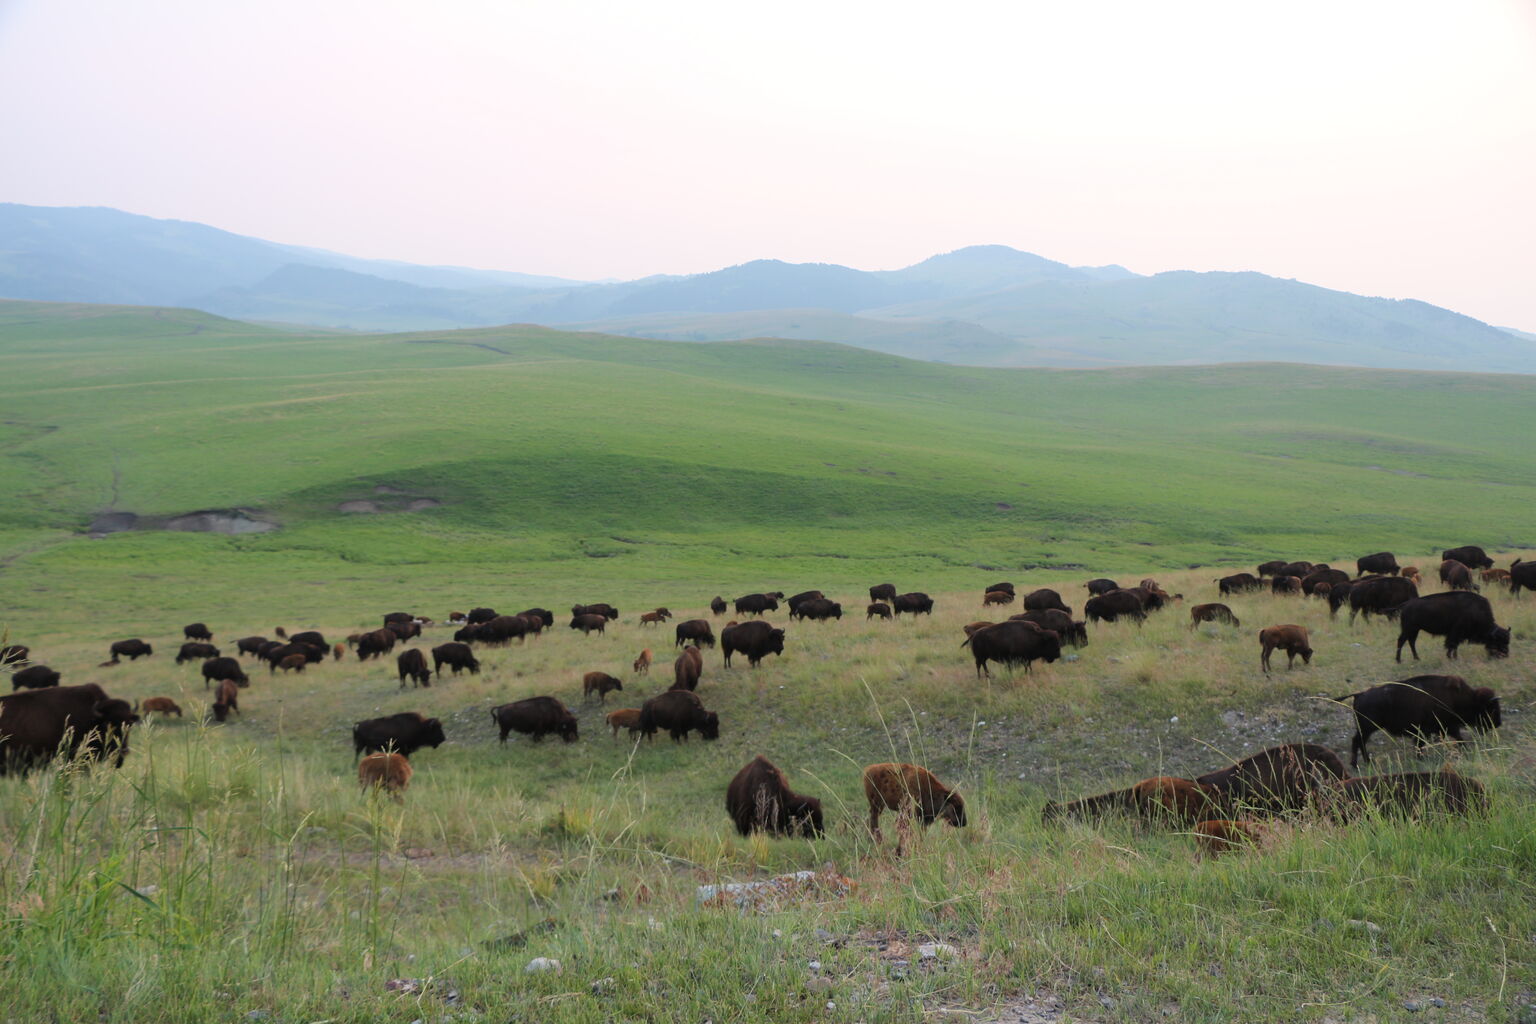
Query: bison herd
<point>1226,808</point>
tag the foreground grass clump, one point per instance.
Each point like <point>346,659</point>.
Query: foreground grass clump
<point>231,869</point>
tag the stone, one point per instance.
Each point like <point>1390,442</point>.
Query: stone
<point>542,963</point>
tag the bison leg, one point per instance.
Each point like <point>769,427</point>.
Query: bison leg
<point>1264,657</point>
<point>1411,639</point>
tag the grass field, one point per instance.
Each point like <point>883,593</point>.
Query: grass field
<point>233,872</point>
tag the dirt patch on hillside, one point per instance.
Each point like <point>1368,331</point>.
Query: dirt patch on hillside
<point>385,498</point>
<point>216,520</point>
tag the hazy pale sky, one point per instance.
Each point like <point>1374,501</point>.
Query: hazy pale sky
<point>1386,147</point>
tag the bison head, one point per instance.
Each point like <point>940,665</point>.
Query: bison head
<point>710,729</point>
<point>1486,713</point>
<point>953,810</point>
<point>432,733</point>
<point>568,728</point>
<point>1498,642</point>
<point>805,817</point>
<point>776,641</point>
<point>115,713</point>
<point>1051,813</point>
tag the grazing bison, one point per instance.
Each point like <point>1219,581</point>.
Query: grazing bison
<point>196,631</point>
<point>403,630</point>
<point>756,604</point>
<point>1004,586</point>
<point>133,650</point>
<point>456,656</point>
<point>1058,622</point>
<point>158,705</point>
<point>13,654</point>
<point>1423,706</point>
<point>915,603</point>
<point>545,617</point>
<point>479,615</point>
<point>1322,577</point>
<point>312,638</point>
<point>687,668</point>
<point>388,772</point>
<point>1457,615</point>
<point>1338,596</point>
<point>1471,556</point>
<point>1290,638</point>
<point>466,634</point>
<point>881,610</point>
<point>992,597</point>
<point>883,592</point>
<point>1116,605</point>
<point>375,644</point>
<point>909,787</point>
<point>1218,836</point>
<point>1456,576</point>
<point>694,631</point>
<point>600,683</point>
<point>1270,568</point>
<point>225,699</point>
<point>282,652</point>
<point>37,725</point>
<point>1404,793</point>
<point>624,718</point>
<point>759,799</point>
<point>642,665</point>
<point>502,629</point>
<point>1380,595</point>
<point>589,621</point>
<point>1299,569</point>
<point>412,665</point>
<point>1285,585</point>
<point>34,677</point>
<point>679,712</point>
<point>220,669</point>
<point>1276,780</point>
<point>250,645</point>
<point>805,595</point>
<point>1163,799</point>
<point>1012,643</point>
<point>293,663</point>
<point>1044,599</point>
<point>537,717</point>
<point>604,609</point>
<point>1239,583</point>
<point>195,651</point>
<point>404,733</point>
<point>817,609</point>
<point>1381,562</point>
<point>1100,586</point>
<point>397,617</point>
<point>756,640</point>
<point>717,605</point>
<point>1212,613</point>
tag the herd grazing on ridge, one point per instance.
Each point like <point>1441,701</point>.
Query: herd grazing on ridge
<point>1225,809</point>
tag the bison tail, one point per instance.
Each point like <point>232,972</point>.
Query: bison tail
<point>1346,698</point>
<point>967,642</point>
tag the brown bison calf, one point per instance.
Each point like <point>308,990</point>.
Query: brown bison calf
<point>226,698</point>
<point>877,610</point>
<point>1411,572</point>
<point>1285,585</point>
<point>992,597</point>
<point>1216,837</point>
<point>971,628</point>
<point>1290,638</point>
<point>293,663</point>
<point>642,664</point>
<point>1212,613</point>
<point>1496,576</point>
<point>600,683</point>
<point>1162,798</point>
<point>654,618</point>
<point>164,705</point>
<point>900,787</point>
<point>389,772</point>
<point>624,718</point>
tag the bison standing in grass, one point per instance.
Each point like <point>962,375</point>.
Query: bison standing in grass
<point>218,669</point>
<point>456,656</point>
<point>404,733</point>
<point>34,677</point>
<point>195,651</point>
<point>905,788</point>
<point>1423,707</point>
<point>1212,613</point>
<point>679,712</point>
<point>1457,615</point>
<point>1012,643</point>
<point>694,631</point>
<point>1380,595</point>
<point>1471,556</point>
<point>388,772</point>
<point>600,683</point>
<point>537,717</point>
<point>412,665</point>
<point>1290,638</point>
<point>36,725</point>
<point>759,799</point>
<point>756,640</point>
<point>1381,562</point>
<point>1058,622</point>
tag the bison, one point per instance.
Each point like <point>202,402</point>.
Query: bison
<point>588,621</point>
<point>196,631</point>
<point>403,733</point>
<point>545,617</point>
<point>388,772</point>
<point>883,592</point>
<point>456,656</point>
<point>1457,615</point>
<point>687,668</point>
<point>375,644</point>
<point>1004,586</point>
<point>1522,576</point>
<point>219,669</point>
<point>1380,595</point>
<point>602,608</point>
<point>1162,799</point>
<point>694,631</point>
<point>756,640</point>
<point>1404,793</point>
<point>34,677</point>
<point>915,603</point>
<point>293,663</point>
<point>37,725</point>
<point>759,799</point>
<point>992,597</point>
<point>1381,562</point>
<point>717,605</point>
<point>624,718</point>
<point>679,712</point>
<point>1044,599</point>
<point>881,610</point>
<point>1058,622</point>
<point>1422,706</point>
<point>1116,605</point>
<point>158,705</point>
<point>502,629</point>
<point>1456,576</point>
<point>909,787</point>
<point>600,683</point>
<point>1218,836</point>
<point>1321,576</point>
<point>537,717</point>
<point>390,617</point>
<point>194,651</point>
<point>312,638</point>
<point>1101,585</point>
<point>409,630</point>
<point>412,665</point>
<point>249,645</point>
<point>1285,585</point>
<point>1338,596</point>
<point>225,699</point>
<point>642,665</point>
<point>1472,556</point>
<point>1239,583</point>
<point>133,650</point>
<point>14,654</point>
<point>1290,638</point>
<point>805,595</point>
<point>1270,568</point>
<point>817,609</point>
<point>756,604</point>
<point>1278,779</point>
<point>479,615</point>
<point>1012,643</point>
<point>1212,613</point>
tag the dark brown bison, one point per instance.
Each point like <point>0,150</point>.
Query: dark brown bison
<point>805,595</point>
<point>1162,800</point>
<point>1212,613</point>
<point>1058,622</point>
<point>600,683</point>
<point>37,725</point>
<point>1299,569</point>
<point>34,677</point>
<point>881,610</point>
<point>694,631</point>
<point>1012,643</point>
<point>915,603</point>
<point>679,712</point>
<point>993,597</point>
<point>1043,599</point>
<point>397,617</point>
<point>756,640</point>
<point>1456,576</point>
<point>1471,556</point>
<point>293,663</point>
<point>312,638</point>
<point>218,669</point>
<point>196,651</point>
<point>717,605</point>
<point>1457,615</point>
<point>1290,638</point>
<point>479,615</point>
<point>1270,568</point>
<point>1322,577</point>
<point>1279,779</point>
<point>1423,707</point>
<point>276,655</point>
<point>588,622</point>
<point>1285,586</point>
<point>412,665</point>
<point>1116,605</point>
<point>1380,595</point>
<point>687,668</point>
<point>196,631</point>
<point>1338,596</point>
<point>911,788</point>
<point>545,617</point>
<point>14,654</point>
<point>1522,576</point>
<point>456,656</point>
<point>1404,793</point>
<point>537,717</point>
<point>225,699</point>
<point>1239,583</point>
<point>756,604</point>
<point>883,592</point>
<point>249,645</point>
<point>1381,562</point>
<point>375,644</point>
<point>133,650</point>
<point>1004,586</point>
<point>502,629</point>
<point>404,733</point>
<point>1101,586</point>
<point>817,609</point>
<point>602,608</point>
<point>759,799</point>
<point>408,630</point>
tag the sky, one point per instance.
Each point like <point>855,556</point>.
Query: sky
<point>1385,147</point>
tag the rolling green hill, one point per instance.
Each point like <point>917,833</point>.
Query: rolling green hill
<point>535,454</point>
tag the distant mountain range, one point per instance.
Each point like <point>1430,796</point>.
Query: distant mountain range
<point>986,305</point>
